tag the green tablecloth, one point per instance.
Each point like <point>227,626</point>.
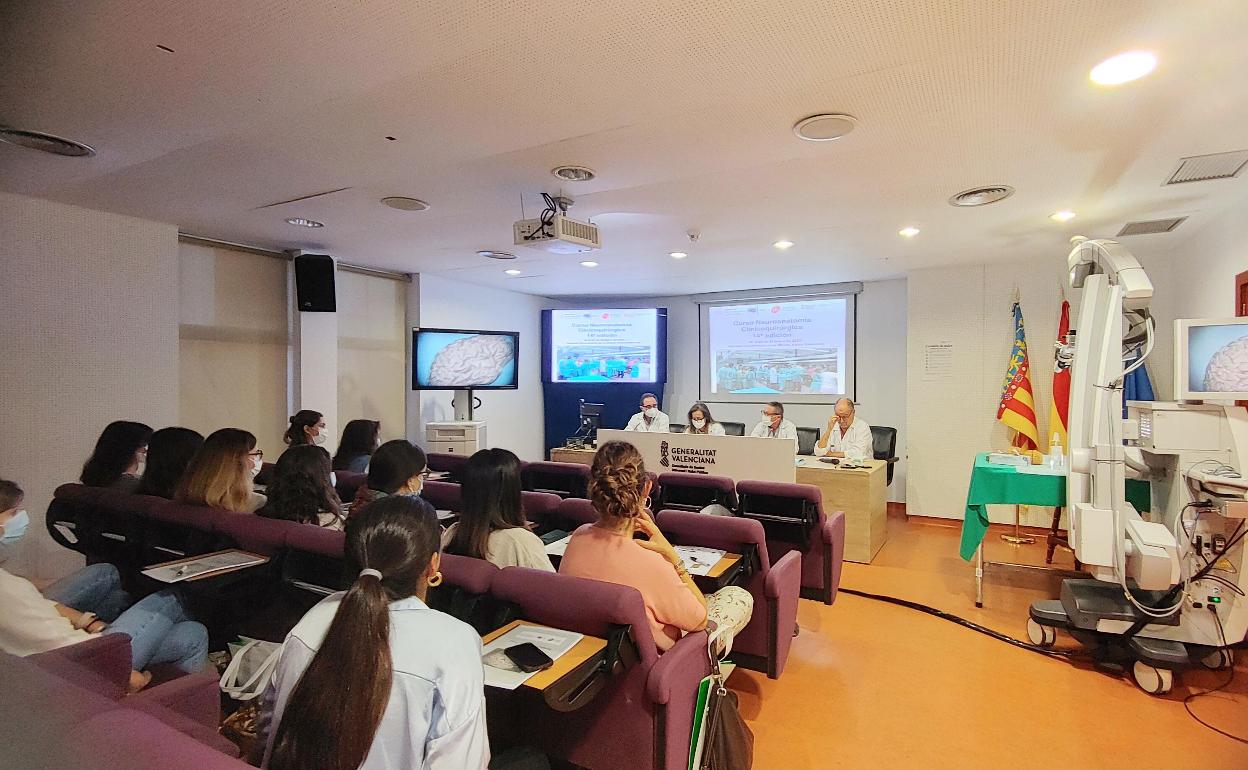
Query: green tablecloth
<point>1004,485</point>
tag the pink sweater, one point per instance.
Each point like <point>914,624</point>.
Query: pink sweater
<point>612,557</point>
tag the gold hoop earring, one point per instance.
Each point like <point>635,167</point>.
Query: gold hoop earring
<point>436,580</point>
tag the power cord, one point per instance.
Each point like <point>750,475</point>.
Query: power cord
<point>1187,702</point>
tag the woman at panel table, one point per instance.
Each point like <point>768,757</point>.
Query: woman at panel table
<point>492,524</point>
<point>221,472</point>
<point>119,457</point>
<point>846,436</point>
<point>359,440</point>
<point>700,421</point>
<point>300,490</point>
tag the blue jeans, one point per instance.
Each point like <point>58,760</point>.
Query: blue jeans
<point>94,588</point>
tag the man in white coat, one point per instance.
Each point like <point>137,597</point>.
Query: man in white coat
<point>649,419</point>
<point>847,436</point>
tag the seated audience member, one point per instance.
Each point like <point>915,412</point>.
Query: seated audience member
<point>300,490</point>
<point>700,421</point>
<point>359,439</point>
<point>118,458</point>
<point>773,424</point>
<point>606,550</point>
<point>169,451</point>
<point>847,436</point>
<point>398,467</point>
<point>417,697</point>
<point>491,525</point>
<point>221,472</point>
<point>306,427</point>
<point>87,603</point>
<point>649,419</point>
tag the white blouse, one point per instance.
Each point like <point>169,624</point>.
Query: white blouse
<point>511,547</point>
<point>435,718</point>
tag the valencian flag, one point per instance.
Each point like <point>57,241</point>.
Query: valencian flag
<point>1018,406</point>
<point>1060,410</point>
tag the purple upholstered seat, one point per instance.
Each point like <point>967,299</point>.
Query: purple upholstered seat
<point>472,575</point>
<point>175,529</point>
<point>443,495</point>
<point>349,482</point>
<point>448,463</point>
<point>574,512</point>
<point>257,534</point>
<point>644,715</point>
<point>539,508</point>
<point>563,479</point>
<point>695,491</point>
<point>764,643</point>
<point>794,519</point>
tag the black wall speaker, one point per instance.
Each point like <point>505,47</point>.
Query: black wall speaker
<point>314,283</point>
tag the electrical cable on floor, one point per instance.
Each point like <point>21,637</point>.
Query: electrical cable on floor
<point>967,623</point>
<point>1188,700</point>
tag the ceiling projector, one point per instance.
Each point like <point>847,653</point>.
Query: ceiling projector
<point>558,234</point>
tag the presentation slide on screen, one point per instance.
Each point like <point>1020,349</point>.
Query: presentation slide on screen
<point>796,347</point>
<point>465,360</point>
<point>603,345</point>
<point>1217,358</point>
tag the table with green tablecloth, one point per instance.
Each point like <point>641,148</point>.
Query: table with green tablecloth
<point>1006,485</point>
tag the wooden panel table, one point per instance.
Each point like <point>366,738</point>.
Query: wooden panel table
<point>566,455</point>
<point>860,494</point>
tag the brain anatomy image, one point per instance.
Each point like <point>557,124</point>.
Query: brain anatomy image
<point>1228,368</point>
<point>476,360</point>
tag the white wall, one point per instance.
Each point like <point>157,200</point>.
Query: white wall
<point>1205,286</point>
<point>89,309</point>
<point>514,417</point>
<point>881,365</point>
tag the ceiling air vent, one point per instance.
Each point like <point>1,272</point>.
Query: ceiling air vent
<point>1202,168</point>
<point>982,196</point>
<point>1151,227</point>
<point>38,140</point>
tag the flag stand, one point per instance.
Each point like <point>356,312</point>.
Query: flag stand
<point>1018,538</point>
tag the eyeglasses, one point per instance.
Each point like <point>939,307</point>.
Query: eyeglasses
<point>765,413</point>
<point>256,453</point>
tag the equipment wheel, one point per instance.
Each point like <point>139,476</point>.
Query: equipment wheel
<point>1041,636</point>
<point>1217,660</point>
<point>1154,681</point>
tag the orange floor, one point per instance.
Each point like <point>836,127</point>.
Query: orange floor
<point>870,685</point>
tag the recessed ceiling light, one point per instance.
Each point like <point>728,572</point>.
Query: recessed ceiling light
<point>1062,216</point>
<point>573,173</point>
<point>1123,68</point>
<point>782,245</point>
<point>824,127</point>
<point>908,232</point>
<point>405,204</point>
<point>589,263</point>
<point>301,222</point>
<point>38,140</point>
<point>496,254</point>
<point>512,271</point>
<point>678,255</point>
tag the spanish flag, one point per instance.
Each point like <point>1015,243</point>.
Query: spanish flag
<point>1018,406</point>
<point>1059,411</point>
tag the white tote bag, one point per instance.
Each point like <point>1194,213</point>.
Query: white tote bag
<point>251,667</point>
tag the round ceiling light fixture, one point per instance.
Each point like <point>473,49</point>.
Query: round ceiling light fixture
<point>1062,216</point>
<point>981,196</point>
<point>495,254</point>
<point>38,140</point>
<point>782,245</point>
<point>908,232</point>
<point>589,263</point>
<point>301,222</point>
<point>405,204</point>
<point>1123,68</point>
<point>824,127</point>
<point>512,271</point>
<point>678,254</point>
<point>573,173</point>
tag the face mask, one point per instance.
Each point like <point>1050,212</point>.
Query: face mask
<point>651,412</point>
<point>15,528</point>
<point>319,438</point>
<point>256,464</point>
<point>333,479</point>
<point>699,424</point>
<point>138,471</point>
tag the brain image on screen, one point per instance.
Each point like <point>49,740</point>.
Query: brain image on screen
<point>475,360</point>
<point>1227,370</point>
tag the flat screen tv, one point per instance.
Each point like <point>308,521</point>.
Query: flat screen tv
<point>464,359</point>
<point>605,345</point>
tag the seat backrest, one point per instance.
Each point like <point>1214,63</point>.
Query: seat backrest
<point>789,512</point>
<point>265,476</point>
<point>883,441</point>
<point>257,534</point>
<point>465,593</point>
<point>563,479</point>
<point>349,482</point>
<point>806,440</point>
<point>443,495</point>
<point>445,462</point>
<point>539,508</point>
<point>175,530</point>
<point>694,491</point>
<point>574,512</point>
<point>729,533</point>
<point>733,428</point>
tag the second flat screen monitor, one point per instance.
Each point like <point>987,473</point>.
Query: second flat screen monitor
<point>605,345</point>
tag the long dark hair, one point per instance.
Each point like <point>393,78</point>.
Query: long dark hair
<point>327,725</point>
<point>300,489</point>
<point>114,452</point>
<point>491,501</point>
<point>706,415</point>
<point>169,451</point>
<point>358,438</point>
<point>304,418</point>
<point>393,464</point>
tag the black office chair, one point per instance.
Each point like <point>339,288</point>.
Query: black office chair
<point>733,428</point>
<point>806,440</point>
<point>675,428</point>
<point>884,446</point>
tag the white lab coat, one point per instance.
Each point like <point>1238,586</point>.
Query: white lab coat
<point>714,429</point>
<point>786,430</point>
<point>660,424</point>
<point>435,719</point>
<point>855,443</point>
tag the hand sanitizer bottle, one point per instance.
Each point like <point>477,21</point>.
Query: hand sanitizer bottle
<point>1057,457</point>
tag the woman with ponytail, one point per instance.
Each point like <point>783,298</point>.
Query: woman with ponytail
<point>619,488</point>
<point>372,678</point>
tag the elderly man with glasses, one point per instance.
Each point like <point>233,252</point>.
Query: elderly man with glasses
<point>847,436</point>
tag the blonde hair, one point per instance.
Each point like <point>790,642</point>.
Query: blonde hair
<point>617,482</point>
<point>219,475</point>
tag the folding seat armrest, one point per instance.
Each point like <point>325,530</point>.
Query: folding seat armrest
<point>193,728</point>
<point>194,696</point>
<point>834,528</point>
<point>106,657</point>
<point>785,577</point>
<point>679,669</point>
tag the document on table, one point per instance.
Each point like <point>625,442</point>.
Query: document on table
<point>698,560</point>
<point>558,547</point>
<point>1041,470</point>
<point>185,569</point>
<point>501,672</point>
